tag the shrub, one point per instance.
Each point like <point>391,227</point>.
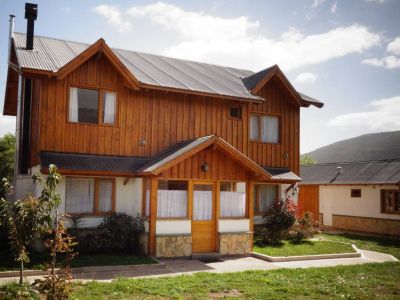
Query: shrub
<point>304,228</point>
<point>281,219</point>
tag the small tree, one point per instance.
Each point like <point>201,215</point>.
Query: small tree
<point>304,228</point>
<point>7,154</point>
<point>306,160</point>
<point>25,219</point>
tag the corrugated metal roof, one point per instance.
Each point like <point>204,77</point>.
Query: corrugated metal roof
<point>51,54</point>
<point>374,172</point>
<point>282,174</point>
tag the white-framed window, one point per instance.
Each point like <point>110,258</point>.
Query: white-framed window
<point>264,128</point>
<point>172,199</point>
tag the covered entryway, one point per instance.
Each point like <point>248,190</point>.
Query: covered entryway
<point>204,217</point>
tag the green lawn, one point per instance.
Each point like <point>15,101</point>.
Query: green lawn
<point>288,248</point>
<point>379,244</point>
<point>348,282</point>
<point>39,260</point>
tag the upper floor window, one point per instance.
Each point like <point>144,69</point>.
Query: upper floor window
<point>264,128</point>
<point>235,112</point>
<point>92,106</point>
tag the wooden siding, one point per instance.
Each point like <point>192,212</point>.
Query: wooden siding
<point>309,200</point>
<point>161,119</point>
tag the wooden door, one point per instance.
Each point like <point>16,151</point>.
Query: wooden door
<point>203,217</point>
<point>309,200</point>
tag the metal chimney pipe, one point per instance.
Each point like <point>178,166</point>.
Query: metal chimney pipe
<point>10,35</point>
<point>30,15</point>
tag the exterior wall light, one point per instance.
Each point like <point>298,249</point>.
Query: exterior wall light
<point>204,167</point>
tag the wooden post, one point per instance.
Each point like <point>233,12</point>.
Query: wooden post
<point>250,209</point>
<point>153,215</point>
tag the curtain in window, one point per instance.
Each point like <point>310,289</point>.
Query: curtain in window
<point>254,130</point>
<point>109,107</point>
<point>267,197</point>
<point>73,104</point>
<point>79,195</point>
<point>202,205</point>
<point>270,129</point>
<point>105,195</point>
<point>171,204</point>
<point>233,204</point>
<point>147,208</point>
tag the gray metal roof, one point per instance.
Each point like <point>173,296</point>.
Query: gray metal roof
<point>51,54</point>
<point>282,174</point>
<point>373,172</point>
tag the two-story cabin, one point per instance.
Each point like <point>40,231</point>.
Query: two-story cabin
<point>201,150</point>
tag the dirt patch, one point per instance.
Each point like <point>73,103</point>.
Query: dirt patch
<point>231,293</point>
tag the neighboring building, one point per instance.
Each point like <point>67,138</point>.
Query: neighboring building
<point>355,196</point>
<point>198,149</point>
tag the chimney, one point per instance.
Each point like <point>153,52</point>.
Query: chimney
<point>30,15</point>
<point>10,35</point>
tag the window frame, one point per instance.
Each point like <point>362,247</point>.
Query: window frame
<point>257,211</point>
<point>95,212</point>
<point>259,115</point>
<point>383,202</point>
<point>355,193</point>
<point>239,107</point>
<point>101,91</point>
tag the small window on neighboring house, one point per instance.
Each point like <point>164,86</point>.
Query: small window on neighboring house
<point>355,193</point>
<point>265,195</point>
<point>235,112</point>
<point>264,128</point>
<point>390,201</point>
<point>85,104</point>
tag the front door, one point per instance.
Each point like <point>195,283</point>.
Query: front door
<point>203,218</point>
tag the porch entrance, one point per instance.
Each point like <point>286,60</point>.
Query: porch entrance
<point>204,217</point>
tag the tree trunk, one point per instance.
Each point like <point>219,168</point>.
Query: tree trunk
<point>21,272</point>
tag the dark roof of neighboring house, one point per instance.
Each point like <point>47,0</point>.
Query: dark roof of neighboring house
<point>281,173</point>
<point>51,54</point>
<point>368,147</point>
<point>373,172</point>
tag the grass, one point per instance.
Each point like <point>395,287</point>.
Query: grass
<point>289,248</point>
<point>349,282</point>
<point>39,260</point>
<point>380,244</point>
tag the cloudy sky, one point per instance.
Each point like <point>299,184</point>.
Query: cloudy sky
<point>345,53</point>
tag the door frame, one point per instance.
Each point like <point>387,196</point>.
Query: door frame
<point>215,186</point>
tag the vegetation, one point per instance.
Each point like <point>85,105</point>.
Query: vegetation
<point>7,155</point>
<point>350,282</point>
<point>291,248</point>
<point>373,243</point>
<point>27,218</point>
<point>303,229</point>
<point>306,160</point>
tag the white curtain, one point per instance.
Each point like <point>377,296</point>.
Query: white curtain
<point>270,129</point>
<point>73,104</point>
<point>233,204</point>
<point>171,204</point>
<point>267,197</point>
<point>147,209</point>
<point>254,130</point>
<point>105,195</point>
<point>202,205</point>
<point>109,107</point>
<point>79,195</point>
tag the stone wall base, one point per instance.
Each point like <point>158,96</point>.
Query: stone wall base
<point>235,243</point>
<point>365,224</point>
<point>173,246</point>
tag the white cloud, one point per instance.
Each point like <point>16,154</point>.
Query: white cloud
<point>317,3</point>
<point>388,62</point>
<point>114,17</point>
<point>7,124</point>
<point>384,115</point>
<point>394,46</point>
<point>306,78</point>
<point>238,41</point>
<point>377,1</point>
<point>334,8</point>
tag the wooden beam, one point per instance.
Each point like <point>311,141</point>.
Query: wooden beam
<point>250,208</point>
<point>153,215</point>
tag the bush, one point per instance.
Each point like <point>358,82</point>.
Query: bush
<point>304,228</point>
<point>281,219</point>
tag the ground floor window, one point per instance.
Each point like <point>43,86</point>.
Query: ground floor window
<point>232,199</point>
<point>172,199</point>
<point>265,195</point>
<point>89,195</point>
<point>390,201</point>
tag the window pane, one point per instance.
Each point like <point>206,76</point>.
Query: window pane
<point>270,129</point>
<point>172,198</point>
<point>226,186</point>
<point>84,105</point>
<point>105,195</point>
<point>79,195</point>
<point>235,112</point>
<point>267,197</point>
<point>254,130</point>
<point>109,103</point>
<point>202,202</point>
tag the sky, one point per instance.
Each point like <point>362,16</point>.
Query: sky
<point>344,53</point>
